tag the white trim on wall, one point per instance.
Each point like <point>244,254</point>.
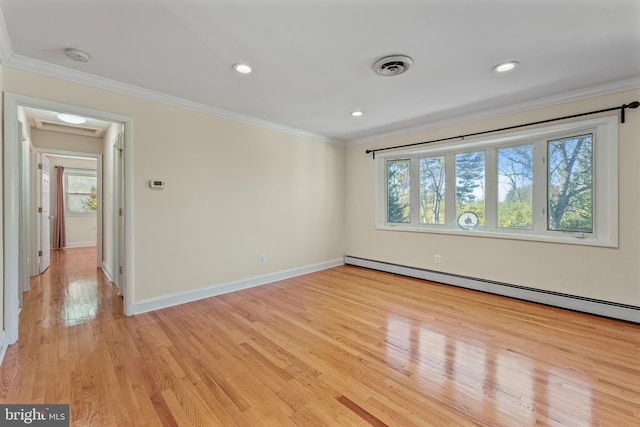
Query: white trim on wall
<point>80,245</point>
<point>490,113</point>
<point>10,59</point>
<point>556,299</point>
<point>152,304</point>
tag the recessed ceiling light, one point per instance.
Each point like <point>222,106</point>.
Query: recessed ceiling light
<point>505,66</point>
<point>70,118</point>
<point>356,113</point>
<point>242,68</point>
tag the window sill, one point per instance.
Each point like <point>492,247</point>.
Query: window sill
<point>74,214</point>
<point>563,238</point>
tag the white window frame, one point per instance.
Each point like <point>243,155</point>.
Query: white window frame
<point>76,172</point>
<point>605,184</point>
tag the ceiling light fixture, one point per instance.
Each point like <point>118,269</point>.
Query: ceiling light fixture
<point>393,65</point>
<point>70,118</point>
<point>505,66</point>
<point>356,113</point>
<point>77,55</point>
<point>242,68</point>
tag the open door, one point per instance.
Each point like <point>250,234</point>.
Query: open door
<point>119,225</point>
<point>44,216</point>
<point>23,202</point>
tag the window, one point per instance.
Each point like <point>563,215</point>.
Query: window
<point>398,184</point>
<point>515,187</point>
<point>80,191</point>
<point>570,184</point>
<point>470,184</point>
<point>432,187</point>
<point>556,183</point>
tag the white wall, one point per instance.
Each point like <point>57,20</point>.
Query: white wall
<point>81,230</point>
<point>234,192</point>
<point>45,139</point>
<point>609,274</point>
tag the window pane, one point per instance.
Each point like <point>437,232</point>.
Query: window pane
<point>470,184</point>
<point>80,203</point>
<point>432,190</point>
<point>80,183</point>
<point>570,184</point>
<point>398,191</point>
<point>81,193</point>
<point>515,187</point>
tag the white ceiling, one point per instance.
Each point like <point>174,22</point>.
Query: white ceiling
<point>313,58</point>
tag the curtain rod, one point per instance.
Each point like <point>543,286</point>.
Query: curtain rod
<point>622,108</point>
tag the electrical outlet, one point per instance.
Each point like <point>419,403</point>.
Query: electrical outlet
<point>437,258</point>
<point>263,259</point>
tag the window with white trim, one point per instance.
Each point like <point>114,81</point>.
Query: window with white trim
<point>80,191</point>
<point>557,183</point>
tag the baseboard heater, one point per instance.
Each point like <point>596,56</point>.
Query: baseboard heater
<point>614,310</point>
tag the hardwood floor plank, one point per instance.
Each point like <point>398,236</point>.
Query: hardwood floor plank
<point>344,346</point>
<point>361,412</point>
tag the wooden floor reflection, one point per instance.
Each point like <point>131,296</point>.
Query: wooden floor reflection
<point>345,346</point>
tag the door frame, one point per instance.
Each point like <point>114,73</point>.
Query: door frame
<point>12,211</point>
<point>99,198</point>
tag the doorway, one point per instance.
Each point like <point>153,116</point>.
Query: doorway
<point>15,215</point>
<point>70,199</point>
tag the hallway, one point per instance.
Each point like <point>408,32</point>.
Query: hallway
<point>77,292</point>
<point>66,320</point>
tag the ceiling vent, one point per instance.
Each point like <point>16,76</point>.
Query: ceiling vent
<point>65,128</point>
<point>392,65</point>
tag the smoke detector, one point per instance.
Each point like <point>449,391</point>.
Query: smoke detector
<point>393,65</point>
<point>77,55</point>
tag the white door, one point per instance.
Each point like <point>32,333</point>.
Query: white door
<point>119,204</point>
<point>45,216</point>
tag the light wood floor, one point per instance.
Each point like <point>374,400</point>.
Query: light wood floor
<point>346,346</point>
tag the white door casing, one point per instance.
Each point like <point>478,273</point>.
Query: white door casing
<point>12,209</point>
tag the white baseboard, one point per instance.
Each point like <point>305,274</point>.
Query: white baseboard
<point>212,291</point>
<point>587,305</point>
<point>79,245</point>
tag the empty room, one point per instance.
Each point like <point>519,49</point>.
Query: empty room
<point>320,213</point>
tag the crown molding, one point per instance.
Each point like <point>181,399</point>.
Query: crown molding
<point>6,51</point>
<point>576,95</point>
<point>56,71</point>
<point>10,59</point>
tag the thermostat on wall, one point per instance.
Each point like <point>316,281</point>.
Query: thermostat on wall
<point>157,184</point>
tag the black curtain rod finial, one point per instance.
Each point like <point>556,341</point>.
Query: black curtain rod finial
<point>634,104</point>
